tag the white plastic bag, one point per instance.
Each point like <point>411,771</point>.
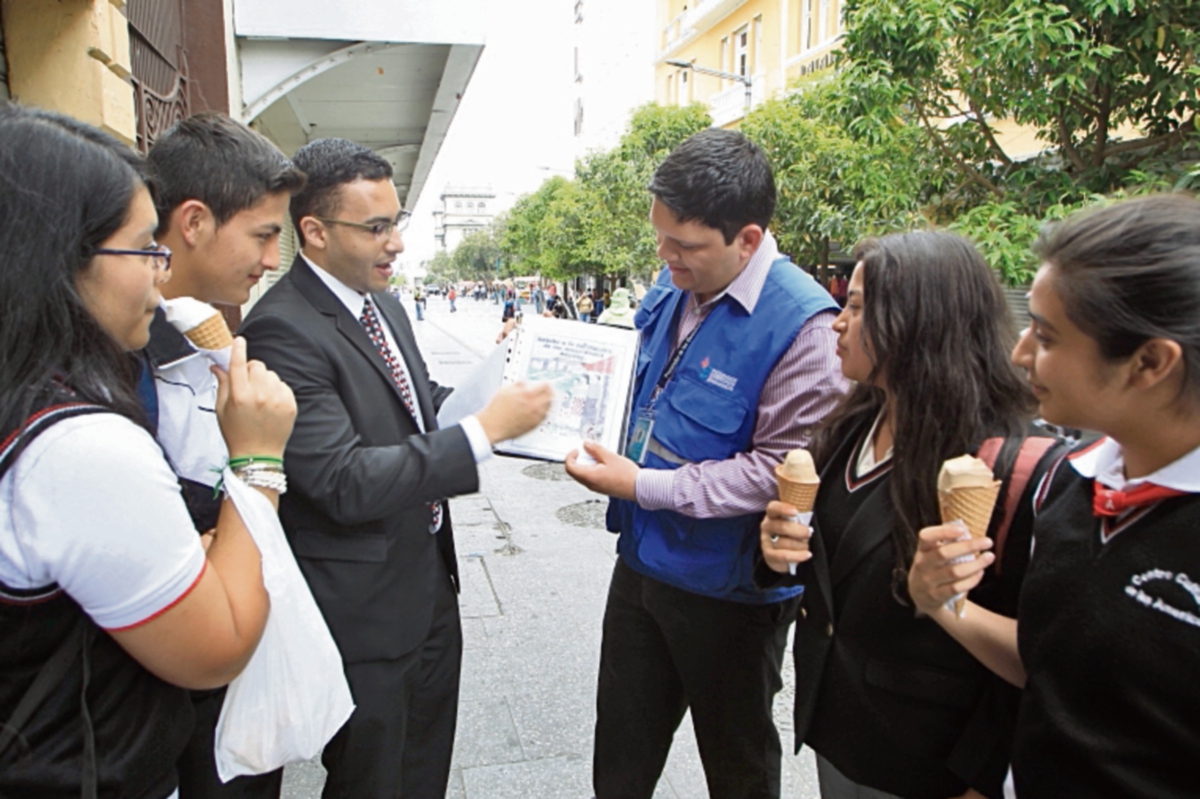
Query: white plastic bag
<point>292,696</point>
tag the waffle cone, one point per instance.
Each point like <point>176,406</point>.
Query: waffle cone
<point>974,506</point>
<point>211,334</point>
<point>802,495</point>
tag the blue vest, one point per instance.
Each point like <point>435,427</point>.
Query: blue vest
<point>707,412</point>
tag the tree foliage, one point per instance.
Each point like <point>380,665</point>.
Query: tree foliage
<point>1109,86</point>
<point>477,256</point>
<point>441,269</point>
<point>834,188</point>
<point>598,222</point>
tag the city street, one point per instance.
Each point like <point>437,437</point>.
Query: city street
<point>535,561</point>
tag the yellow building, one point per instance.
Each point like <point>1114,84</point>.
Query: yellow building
<point>72,56</point>
<point>761,44</point>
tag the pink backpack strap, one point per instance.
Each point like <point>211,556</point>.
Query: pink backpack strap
<point>1032,450</point>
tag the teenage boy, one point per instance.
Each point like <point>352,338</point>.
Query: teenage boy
<point>223,193</point>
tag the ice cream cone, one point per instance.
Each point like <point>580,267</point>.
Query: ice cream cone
<point>973,506</point>
<point>801,494</point>
<point>211,334</point>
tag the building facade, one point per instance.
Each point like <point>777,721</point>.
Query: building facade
<point>389,75</point>
<point>462,211</point>
<point>612,68</point>
<point>761,44</point>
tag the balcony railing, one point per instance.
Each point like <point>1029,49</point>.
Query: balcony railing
<point>729,105</point>
<point>686,23</point>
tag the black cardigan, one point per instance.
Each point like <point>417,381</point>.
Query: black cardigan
<point>886,696</point>
<point>1109,631</point>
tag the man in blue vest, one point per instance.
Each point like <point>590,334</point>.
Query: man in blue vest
<point>738,364</point>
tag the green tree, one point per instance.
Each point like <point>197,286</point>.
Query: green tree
<point>441,269</point>
<point>834,189</point>
<point>477,255</point>
<point>598,223</point>
<point>546,232</point>
<point>1109,86</point>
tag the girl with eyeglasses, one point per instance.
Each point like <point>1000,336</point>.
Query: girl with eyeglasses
<point>109,605</point>
<point>1107,641</point>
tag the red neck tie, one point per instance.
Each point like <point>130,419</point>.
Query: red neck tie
<point>370,321</point>
<point>1110,502</point>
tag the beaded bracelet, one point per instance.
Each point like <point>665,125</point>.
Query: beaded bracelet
<point>270,479</point>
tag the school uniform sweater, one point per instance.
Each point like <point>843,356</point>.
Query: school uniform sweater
<point>1109,632</point>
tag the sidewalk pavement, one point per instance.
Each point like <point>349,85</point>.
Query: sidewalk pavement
<point>535,562</point>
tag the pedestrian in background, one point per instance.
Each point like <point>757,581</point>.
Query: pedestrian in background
<point>739,364</point>
<point>619,314</point>
<point>584,306</point>
<point>452,295</point>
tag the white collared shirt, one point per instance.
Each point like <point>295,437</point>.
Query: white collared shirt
<point>1105,463</point>
<point>481,447</point>
<point>866,455</point>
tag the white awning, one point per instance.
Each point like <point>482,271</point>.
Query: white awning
<point>308,73</point>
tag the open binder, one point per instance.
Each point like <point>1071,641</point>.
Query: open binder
<point>591,368</point>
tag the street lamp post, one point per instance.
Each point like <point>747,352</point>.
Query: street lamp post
<point>742,79</point>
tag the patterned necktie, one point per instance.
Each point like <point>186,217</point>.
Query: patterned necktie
<point>370,323</point>
<point>1110,502</point>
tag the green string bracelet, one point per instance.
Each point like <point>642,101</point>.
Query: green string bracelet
<point>237,463</point>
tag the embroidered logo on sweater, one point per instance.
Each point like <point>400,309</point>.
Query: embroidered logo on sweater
<point>1152,579</point>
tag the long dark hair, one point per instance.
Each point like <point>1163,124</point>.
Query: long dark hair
<point>65,187</point>
<point>940,334</point>
<point>1130,272</point>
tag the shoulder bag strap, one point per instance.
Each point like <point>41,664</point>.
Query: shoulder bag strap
<point>77,641</point>
<point>1013,461</point>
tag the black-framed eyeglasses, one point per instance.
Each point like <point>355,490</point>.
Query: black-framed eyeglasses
<point>380,230</point>
<point>159,253</point>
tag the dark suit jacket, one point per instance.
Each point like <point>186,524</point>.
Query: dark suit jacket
<point>361,476</point>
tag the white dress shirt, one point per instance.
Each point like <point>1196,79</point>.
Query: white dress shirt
<point>481,447</point>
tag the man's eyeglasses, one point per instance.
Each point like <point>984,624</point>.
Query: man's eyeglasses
<point>380,230</point>
<point>160,254</point>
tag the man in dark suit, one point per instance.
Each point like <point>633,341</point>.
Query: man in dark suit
<point>369,472</point>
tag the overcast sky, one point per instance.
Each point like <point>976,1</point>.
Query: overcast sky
<point>516,115</point>
<point>515,125</point>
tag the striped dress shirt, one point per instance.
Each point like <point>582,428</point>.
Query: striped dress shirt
<point>803,388</point>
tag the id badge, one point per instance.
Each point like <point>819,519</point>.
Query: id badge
<point>640,436</point>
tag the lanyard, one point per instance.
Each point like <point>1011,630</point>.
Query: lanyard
<point>678,354</point>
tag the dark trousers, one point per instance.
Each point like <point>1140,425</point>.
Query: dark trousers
<point>397,743</point>
<point>666,650</point>
<point>198,768</point>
